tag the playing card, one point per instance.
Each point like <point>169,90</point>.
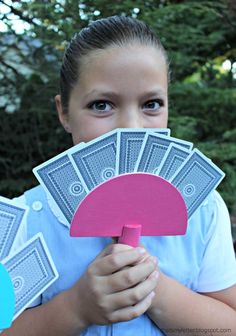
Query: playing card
<point>195,179</point>
<point>11,217</point>
<point>129,143</point>
<point>63,183</point>
<point>96,160</point>
<point>172,160</point>
<point>153,150</point>
<point>31,270</point>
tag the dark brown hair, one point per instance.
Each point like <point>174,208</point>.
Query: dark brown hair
<point>100,34</point>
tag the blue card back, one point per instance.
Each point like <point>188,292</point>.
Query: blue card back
<point>11,217</point>
<point>96,161</point>
<point>129,144</point>
<point>172,161</point>
<point>59,177</point>
<point>196,179</point>
<point>31,270</point>
<point>153,150</point>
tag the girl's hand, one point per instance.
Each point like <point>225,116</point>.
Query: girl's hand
<point>118,286</point>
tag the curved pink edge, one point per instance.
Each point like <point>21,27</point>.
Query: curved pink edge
<point>131,199</point>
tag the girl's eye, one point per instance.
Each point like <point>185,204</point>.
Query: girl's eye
<point>153,105</point>
<point>101,106</point>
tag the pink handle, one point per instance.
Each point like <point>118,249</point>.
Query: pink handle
<point>130,235</point>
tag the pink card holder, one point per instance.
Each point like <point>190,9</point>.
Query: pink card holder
<point>131,205</point>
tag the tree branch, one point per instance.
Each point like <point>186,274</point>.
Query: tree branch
<point>19,13</point>
<point>9,67</point>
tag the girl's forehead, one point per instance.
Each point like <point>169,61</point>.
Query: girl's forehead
<point>123,52</point>
<point>122,72</point>
<point>128,62</point>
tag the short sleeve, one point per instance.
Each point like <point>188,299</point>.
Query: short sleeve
<point>218,266</point>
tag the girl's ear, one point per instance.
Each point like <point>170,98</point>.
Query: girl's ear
<point>63,117</point>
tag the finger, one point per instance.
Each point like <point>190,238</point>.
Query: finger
<point>131,276</point>
<point>116,261</point>
<point>113,248</point>
<point>131,312</point>
<point>134,295</point>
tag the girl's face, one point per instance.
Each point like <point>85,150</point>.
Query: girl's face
<point>118,87</point>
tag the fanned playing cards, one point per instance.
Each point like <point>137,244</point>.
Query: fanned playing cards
<point>125,183</point>
<point>25,272</point>
<point>78,180</point>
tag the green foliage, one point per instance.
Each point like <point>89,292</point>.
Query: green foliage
<point>199,37</point>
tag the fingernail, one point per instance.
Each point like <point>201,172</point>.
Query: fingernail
<point>154,260</point>
<point>155,274</point>
<point>141,250</point>
<point>151,295</point>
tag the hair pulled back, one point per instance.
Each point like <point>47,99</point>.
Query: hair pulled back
<point>100,34</point>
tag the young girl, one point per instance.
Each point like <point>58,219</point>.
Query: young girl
<point>115,74</point>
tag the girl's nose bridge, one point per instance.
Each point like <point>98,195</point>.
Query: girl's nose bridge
<point>131,119</point>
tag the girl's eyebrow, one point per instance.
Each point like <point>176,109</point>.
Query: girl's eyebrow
<point>155,92</point>
<point>112,94</point>
<point>108,94</point>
